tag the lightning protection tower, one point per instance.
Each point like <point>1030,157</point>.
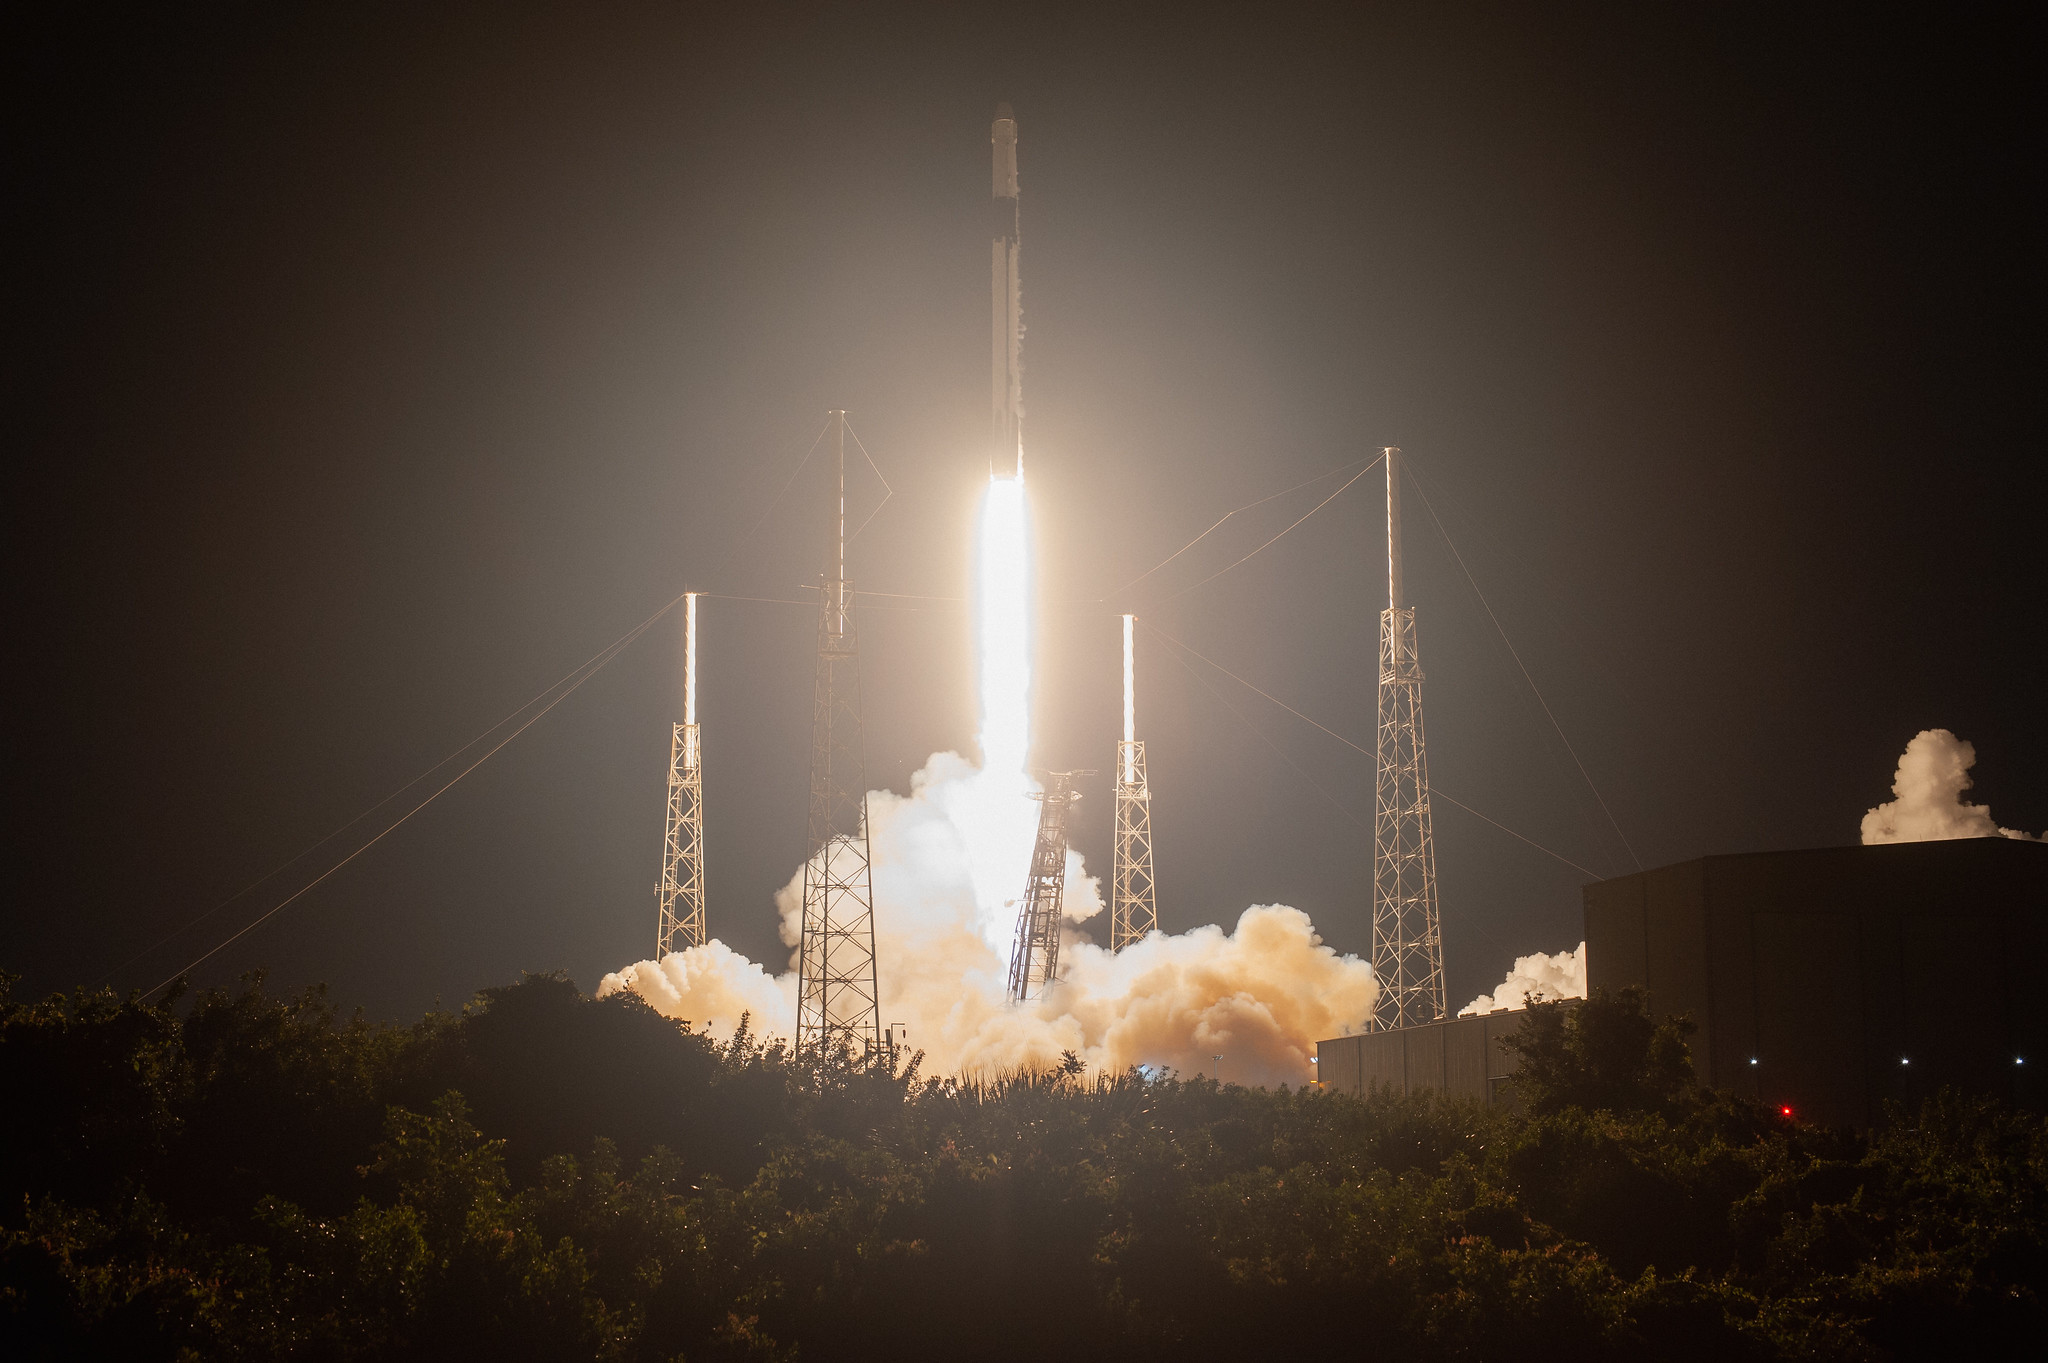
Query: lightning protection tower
<point>837,1007</point>
<point>1035,958</point>
<point>1133,907</point>
<point>681,922</point>
<point>1407,936</point>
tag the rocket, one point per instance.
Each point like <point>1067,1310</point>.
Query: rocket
<point>1006,441</point>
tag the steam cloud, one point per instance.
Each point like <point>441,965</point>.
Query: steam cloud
<point>1559,976</point>
<point>1934,771</point>
<point>1260,995</point>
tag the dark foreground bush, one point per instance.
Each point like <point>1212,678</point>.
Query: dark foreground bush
<point>553,1177</point>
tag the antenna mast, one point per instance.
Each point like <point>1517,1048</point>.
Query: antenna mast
<point>1133,906</point>
<point>680,924</point>
<point>1407,935</point>
<point>837,1005</point>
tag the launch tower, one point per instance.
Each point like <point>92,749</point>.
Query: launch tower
<point>1407,936</point>
<point>837,1007</point>
<point>1035,958</point>
<point>1006,444</point>
<point>1133,908</point>
<point>680,925</point>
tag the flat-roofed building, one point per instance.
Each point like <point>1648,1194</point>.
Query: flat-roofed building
<point>1827,981</point>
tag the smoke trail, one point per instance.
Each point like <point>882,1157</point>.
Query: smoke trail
<point>1933,773</point>
<point>1559,976</point>
<point>949,862</point>
<point>1261,995</point>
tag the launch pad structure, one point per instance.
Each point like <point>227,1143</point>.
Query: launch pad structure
<point>680,924</point>
<point>1407,933</point>
<point>1133,904</point>
<point>1035,957</point>
<point>838,1008</point>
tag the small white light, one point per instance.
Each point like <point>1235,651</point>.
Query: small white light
<point>1752,1060</point>
<point>1904,1061</point>
<point>2019,1060</point>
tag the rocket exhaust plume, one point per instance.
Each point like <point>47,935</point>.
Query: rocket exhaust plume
<point>949,862</point>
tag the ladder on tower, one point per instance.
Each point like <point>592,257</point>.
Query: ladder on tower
<point>1035,957</point>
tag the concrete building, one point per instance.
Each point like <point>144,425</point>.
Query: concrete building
<point>1827,981</point>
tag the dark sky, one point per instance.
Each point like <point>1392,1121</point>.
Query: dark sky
<point>371,366</point>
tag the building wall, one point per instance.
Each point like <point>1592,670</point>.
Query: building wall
<point>1462,1057</point>
<point>1850,975</point>
<point>1827,967</point>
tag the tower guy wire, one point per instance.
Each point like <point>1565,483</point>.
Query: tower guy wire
<point>1282,535</point>
<point>1035,956</point>
<point>567,687</point>
<point>1436,791</point>
<point>1218,522</point>
<point>1548,713</point>
<point>838,1007</point>
<point>679,923</point>
<point>1133,901</point>
<point>1407,931</point>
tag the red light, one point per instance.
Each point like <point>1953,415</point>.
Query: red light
<point>1786,1111</point>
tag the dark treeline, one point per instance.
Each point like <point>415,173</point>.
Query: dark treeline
<point>548,1176</point>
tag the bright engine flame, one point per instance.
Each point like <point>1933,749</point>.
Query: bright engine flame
<point>996,820</point>
<point>1005,648</point>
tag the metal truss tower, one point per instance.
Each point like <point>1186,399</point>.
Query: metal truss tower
<point>681,892</point>
<point>1133,907</point>
<point>837,1006</point>
<point>1035,957</point>
<point>1407,934</point>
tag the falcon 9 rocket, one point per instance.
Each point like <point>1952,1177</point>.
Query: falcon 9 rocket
<point>1006,441</point>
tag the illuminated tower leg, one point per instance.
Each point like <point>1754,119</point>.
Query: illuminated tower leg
<point>837,1005</point>
<point>681,892</point>
<point>1133,908</point>
<point>1407,937</point>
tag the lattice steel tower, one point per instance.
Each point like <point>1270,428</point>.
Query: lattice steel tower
<point>1035,957</point>
<point>1407,935</point>
<point>1133,906</point>
<point>680,925</point>
<point>837,1006</point>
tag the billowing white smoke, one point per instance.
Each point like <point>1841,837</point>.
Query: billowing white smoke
<point>1260,996</point>
<point>1540,977</point>
<point>1934,771</point>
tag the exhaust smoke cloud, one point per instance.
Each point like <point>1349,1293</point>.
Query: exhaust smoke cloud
<point>1933,773</point>
<point>949,863</point>
<point>1540,977</point>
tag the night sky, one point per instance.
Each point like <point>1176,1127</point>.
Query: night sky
<point>370,367</point>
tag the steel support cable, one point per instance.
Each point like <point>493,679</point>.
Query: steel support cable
<point>1239,715</point>
<point>590,668</point>
<point>776,501</point>
<point>1269,543</point>
<point>284,865</point>
<point>1219,521</point>
<point>1335,803</point>
<point>1434,790</point>
<point>457,753</point>
<point>889,491</point>
<point>1547,712</point>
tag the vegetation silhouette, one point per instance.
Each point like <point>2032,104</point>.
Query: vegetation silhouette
<point>549,1176</point>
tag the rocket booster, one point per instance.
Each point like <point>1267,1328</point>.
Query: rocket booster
<point>1006,444</point>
